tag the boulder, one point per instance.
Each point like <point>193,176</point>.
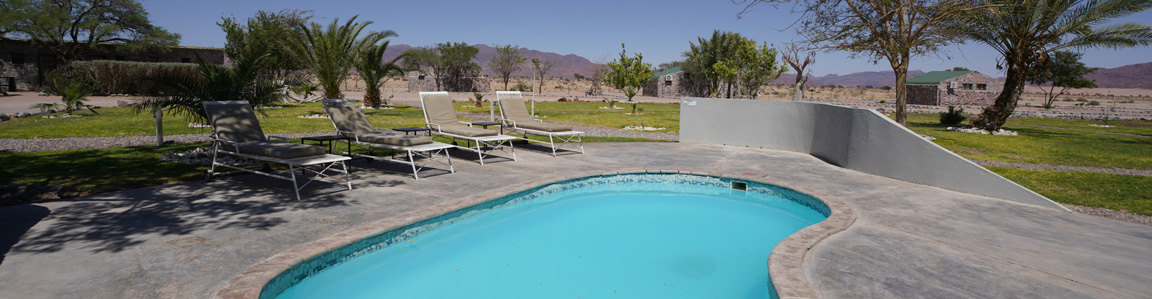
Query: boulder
<point>5,117</point>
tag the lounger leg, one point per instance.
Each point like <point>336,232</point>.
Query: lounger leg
<point>295,187</point>
<point>553,144</point>
<point>412,162</point>
<point>581,140</point>
<point>449,157</point>
<point>479,153</point>
<point>513,150</point>
<point>215,152</point>
<point>347,176</point>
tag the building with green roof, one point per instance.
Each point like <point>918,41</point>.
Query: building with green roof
<point>953,88</point>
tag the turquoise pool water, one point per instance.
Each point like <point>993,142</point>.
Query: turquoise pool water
<point>628,236</point>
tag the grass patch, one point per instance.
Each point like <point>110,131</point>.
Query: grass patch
<point>99,170</point>
<point>1042,145</point>
<point>1118,192</point>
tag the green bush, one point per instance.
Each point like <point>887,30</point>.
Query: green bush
<point>129,77</point>
<point>1093,103</point>
<point>953,116</point>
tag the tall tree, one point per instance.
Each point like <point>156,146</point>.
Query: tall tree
<point>455,66</point>
<point>72,29</point>
<point>702,58</point>
<point>372,68</point>
<point>266,33</point>
<point>423,60</point>
<point>628,73</point>
<point>330,52</point>
<point>758,65</point>
<point>10,12</point>
<point>541,68</point>
<point>791,56</point>
<point>1025,32</point>
<point>892,30</point>
<point>506,61</point>
<point>1066,71</point>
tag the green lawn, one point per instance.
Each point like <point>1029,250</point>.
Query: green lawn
<point>1045,145</point>
<point>136,167</point>
<point>1130,193</point>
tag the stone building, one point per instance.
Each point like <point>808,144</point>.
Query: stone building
<point>953,88</point>
<point>24,64</point>
<point>420,82</point>
<point>674,83</point>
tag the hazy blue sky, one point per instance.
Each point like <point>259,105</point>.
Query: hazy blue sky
<point>661,30</point>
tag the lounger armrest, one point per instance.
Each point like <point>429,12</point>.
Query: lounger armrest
<point>464,122</point>
<point>510,122</point>
<point>429,125</point>
<point>355,137</point>
<point>235,145</point>
<point>537,119</point>
<point>271,137</point>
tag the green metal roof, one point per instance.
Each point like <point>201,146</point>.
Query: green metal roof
<point>665,72</point>
<point>936,77</point>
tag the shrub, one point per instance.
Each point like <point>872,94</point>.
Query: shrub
<point>953,116</point>
<point>1093,103</point>
<point>129,77</point>
<point>521,86</point>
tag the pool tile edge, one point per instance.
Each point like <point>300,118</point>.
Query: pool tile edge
<point>785,264</point>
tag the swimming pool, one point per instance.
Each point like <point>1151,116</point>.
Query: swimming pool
<point>631,235</point>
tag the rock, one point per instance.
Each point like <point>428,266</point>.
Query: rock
<point>5,117</point>
<point>68,192</point>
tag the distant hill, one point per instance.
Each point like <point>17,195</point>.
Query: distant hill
<point>563,65</point>
<point>1129,76</point>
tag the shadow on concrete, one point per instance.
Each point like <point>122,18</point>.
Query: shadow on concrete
<point>471,156</point>
<point>114,222</point>
<point>545,149</point>
<point>15,221</point>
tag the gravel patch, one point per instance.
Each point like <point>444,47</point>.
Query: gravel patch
<point>1112,214</point>
<point>598,131</point>
<point>58,144</point>
<point>1029,166</point>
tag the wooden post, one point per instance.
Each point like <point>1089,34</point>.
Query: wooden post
<point>159,115</point>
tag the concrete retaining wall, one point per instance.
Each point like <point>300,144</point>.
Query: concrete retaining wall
<point>857,139</point>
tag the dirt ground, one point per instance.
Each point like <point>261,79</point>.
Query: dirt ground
<point>1096,102</point>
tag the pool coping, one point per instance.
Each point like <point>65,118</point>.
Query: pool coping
<point>785,263</point>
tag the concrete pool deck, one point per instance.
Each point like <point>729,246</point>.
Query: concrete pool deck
<point>908,240</point>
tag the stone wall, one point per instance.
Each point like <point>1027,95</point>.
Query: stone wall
<point>920,94</point>
<point>27,63</point>
<point>418,83</point>
<point>674,85</point>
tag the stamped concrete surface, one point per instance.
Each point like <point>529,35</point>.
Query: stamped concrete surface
<point>908,241</point>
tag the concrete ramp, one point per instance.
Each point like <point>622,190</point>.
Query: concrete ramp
<point>858,139</point>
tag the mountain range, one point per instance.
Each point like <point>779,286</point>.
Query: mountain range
<point>565,66</point>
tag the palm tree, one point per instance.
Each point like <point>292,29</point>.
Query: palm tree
<point>331,52</point>
<point>374,71</point>
<point>1026,31</point>
<point>249,78</point>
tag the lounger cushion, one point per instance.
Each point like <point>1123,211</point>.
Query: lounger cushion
<point>547,127</point>
<point>234,121</point>
<point>280,149</point>
<point>439,109</point>
<point>350,119</point>
<point>465,131</point>
<point>393,139</point>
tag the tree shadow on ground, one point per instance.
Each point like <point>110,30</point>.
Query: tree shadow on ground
<point>15,222</point>
<point>114,222</point>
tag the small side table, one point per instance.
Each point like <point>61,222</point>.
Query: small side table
<point>413,130</point>
<point>485,125</point>
<point>330,139</point>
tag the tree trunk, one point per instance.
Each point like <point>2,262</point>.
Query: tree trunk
<point>372,97</point>
<point>993,117</point>
<point>901,93</point>
<point>798,90</point>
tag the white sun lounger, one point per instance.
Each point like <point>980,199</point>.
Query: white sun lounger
<point>515,117</point>
<point>351,123</point>
<point>237,132</point>
<point>440,117</point>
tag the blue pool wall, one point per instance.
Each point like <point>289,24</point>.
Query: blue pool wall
<point>323,261</point>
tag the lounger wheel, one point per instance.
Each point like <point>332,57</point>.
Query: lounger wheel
<point>207,175</point>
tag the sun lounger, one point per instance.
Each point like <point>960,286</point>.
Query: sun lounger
<point>515,117</point>
<point>440,117</point>
<point>237,132</point>
<point>351,123</point>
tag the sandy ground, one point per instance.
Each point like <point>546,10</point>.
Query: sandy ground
<point>1129,103</point>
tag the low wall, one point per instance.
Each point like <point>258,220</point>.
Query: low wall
<point>857,139</point>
